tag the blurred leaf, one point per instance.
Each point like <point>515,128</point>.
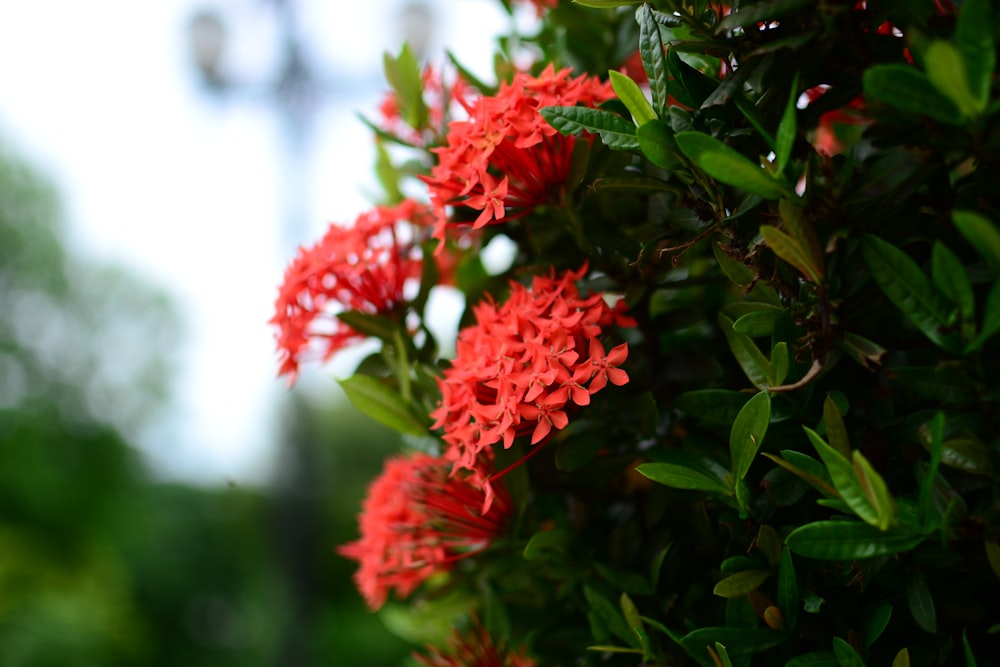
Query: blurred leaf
<point>877,624</point>
<point>991,319</point>
<point>787,128</point>
<point>615,131</point>
<point>950,277</point>
<point>740,641</point>
<point>546,544</point>
<point>716,406</point>
<point>634,622</point>
<point>609,617</point>
<point>849,540</point>
<point>910,290</point>
<point>801,229</point>
<point>757,12</point>
<point>931,436</point>
<point>905,88</point>
<point>748,432</point>
<point>741,583</point>
<point>730,167</point>
<point>946,70</point>
<point>981,234</point>
<point>605,4</point>
<point>758,323</point>
<point>740,274</point>
<point>631,95</point>
<point>867,353</point>
<point>902,658</point>
<point>970,658</point>
<point>836,432</point>
<point>403,74</point>
<point>948,382</point>
<point>653,57</point>
<point>769,544</point>
<point>975,41</point>
<point>382,403</point>
<point>846,655</point>
<point>921,603</point>
<point>965,452</point>
<point>788,249</point>
<point>993,556</point>
<point>625,580</point>
<point>814,659</point>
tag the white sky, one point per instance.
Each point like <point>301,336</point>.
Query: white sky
<point>191,192</point>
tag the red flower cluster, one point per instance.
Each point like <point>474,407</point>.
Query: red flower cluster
<point>525,366</point>
<point>437,96</point>
<point>417,519</point>
<point>474,648</point>
<point>364,267</point>
<point>505,159</point>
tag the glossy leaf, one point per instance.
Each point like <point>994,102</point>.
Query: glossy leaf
<point>615,131</point>
<point>981,234</point>
<point>748,355</point>
<point>836,432</point>
<point>910,290</point>
<point>950,276</point>
<point>805,468</point>
<point>778,368</point>
<point>682,477</point>
<point>748,432</point>
<point>741,583</point>
<point>654,60</point>
<point>758,323</point>
<point>789,249</point>
<point>382,403</point>
<point>845,479</point>
<point>728,166</point>
<point>657,143</point>
<point>907,89</point>
<point>788,589</point>
<point>921,603</point>
<point>849,540</point>
<point>875,490</point>
<point>632,97</point>
<point>787,129</point>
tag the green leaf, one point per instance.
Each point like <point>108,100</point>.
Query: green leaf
<point>730,167</point>
<point>965,452</point>
<point>609,616</point>
<point>741,583</point>
<point>654,60</point>
<point>769,544</point>
<point>981,234</point>
<point>970,657</point>
<point>846,655</point>
<point>657,143</point>
<point>748,432</point>
<point>902,658</point>
<point>950,277</point>
<point>844,479</point>
<point>946,70</point>
<point>631,95</point>
<point>849,540</point>
<point>789,249</point>
<point>788,589</point>
<point>679,476</point>
<point>787,128</point>
<point>805,468</point>
<point>931,435</point>
<point>403,74</point>
<point>615,131</point>
<point>836,432</point>
<point>760,322</point>
<point>778,368</point>
<point>376,326</point>
<point>740,641</point>
<point>905,88</point>
<point>381,402</point>
<point>546,544</point>
<point>876,491</point>
<point>715,406</point>
<point>877,624</point>
<point>910,290</point>
<point>921,603</point>
<point>947,382</point>
<point>753,13</point>
<point>740,274</point>
<point>748,355</point>
<point>634,621</point>
<point>625,580</point>
<point>991,319</point>
<point>975,41</point>
<point>800,227</point>
<point>814,659</point>
<point>865,352</point>
<point>993,556</point>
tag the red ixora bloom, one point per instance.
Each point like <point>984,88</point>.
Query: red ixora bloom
<point>505,159</point>
<point>416,521</point>
<point>473,648</point>
<point>364,267</point>
<point>525,366</point>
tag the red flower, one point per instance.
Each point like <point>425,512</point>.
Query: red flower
<point>417,520</point>
<point>364,267</point>
<point>474,648</point>
<point>525,366</point>
<point>505,159</point>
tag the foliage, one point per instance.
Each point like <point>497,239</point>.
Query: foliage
<point>794,205</point>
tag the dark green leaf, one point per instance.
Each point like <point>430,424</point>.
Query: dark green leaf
<point>877,624</point>
<point>381,402</point>
<point>740,641</point>
<point>748,432</point>
<point>844,479</point>
<point>836,432</point>
<point>921,603</point>
<point>615,131</point>
<point>788,589</point>
<point>769,544</point>
<point>741,583</point>
<point>805,468</point>
<point>787,129</point>
<point>910,290</point>
<point>981,234</point>
<point>653,57</point>
<point>758,323</point>
<point>730,167</point>
<point>765,10</point>
<point>547,544</point>
<point>867,353</point>
<point>946,70</point>
<point>875,490</point>
<point>905,88</point>
<point>626,580</point>
<point>716,406</point>
<point>789,249</point>
<point>950,277</point>
<point>991,319</point>
<point>682,477</point>
<point>932,437</point>
<point>846,655</point>
<point>849,540</point>
<point>609,616</point>
<point>814,659</point>
<point>371,325</point>
<point>948,382</point>
<point>970,657</point>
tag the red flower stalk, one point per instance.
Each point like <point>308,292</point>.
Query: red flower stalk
<point>474,648</point>
<point>364,267</point>
<point>416,521</point>
<point>505,159</point>
<point>525,366</point>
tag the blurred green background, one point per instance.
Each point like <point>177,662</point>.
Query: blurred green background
<point>100,563</point>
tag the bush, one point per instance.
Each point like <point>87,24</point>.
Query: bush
<point>731,401</point>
